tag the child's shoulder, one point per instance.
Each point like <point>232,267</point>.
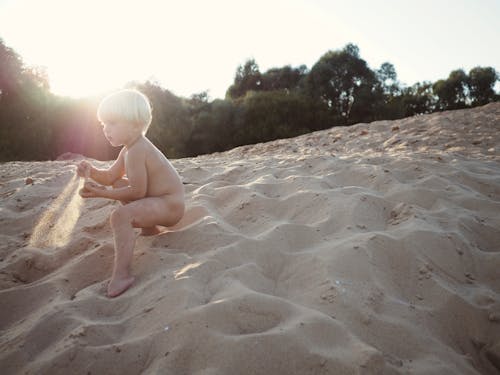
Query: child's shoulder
<point>137,149</point>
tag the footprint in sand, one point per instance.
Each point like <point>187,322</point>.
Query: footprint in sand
<point>401,212</point>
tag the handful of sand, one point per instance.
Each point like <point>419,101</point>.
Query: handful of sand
<point>87,184</point>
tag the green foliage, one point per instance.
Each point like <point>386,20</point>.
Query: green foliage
<point>460,90</point>
<point>282,102</point>
<point>172,123</point>
<point>388,79</point>
<point>248,78</point>
<point>286,78</point>
<point>344,83</point>
<point>24,108</point>
<point>278,114</point>
<point>214,126</point>
<point>481,85</point>
<point>452,91</point>
<point>418,99</point>
<point>11,72</point>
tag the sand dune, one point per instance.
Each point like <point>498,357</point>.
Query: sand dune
<point>371,249</point>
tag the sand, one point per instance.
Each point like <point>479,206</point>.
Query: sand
<point>371,249</point>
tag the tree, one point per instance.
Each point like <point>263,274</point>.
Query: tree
<point>214,128</point>
<point>286,78</point>
<point>25,130</point>
<point>388,79</point>
<point>270,115</point>
<point>453,91</point>
<point>481,85</point>
<point>345,83</point>
<point>172,122</point>
<point>418,99</point>
<point>247,78</point>
<point>282,102</point>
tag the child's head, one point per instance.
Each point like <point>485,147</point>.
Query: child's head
<point>130,106</point>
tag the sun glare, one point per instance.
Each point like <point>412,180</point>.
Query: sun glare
<point>92,47</point>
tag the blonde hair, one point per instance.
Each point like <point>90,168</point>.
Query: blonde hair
<point>129,106</point>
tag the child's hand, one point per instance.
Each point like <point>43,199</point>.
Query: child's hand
<point>91,190</point>
<point>83,169</point>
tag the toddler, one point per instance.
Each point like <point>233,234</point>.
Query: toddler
<point>142,178</point>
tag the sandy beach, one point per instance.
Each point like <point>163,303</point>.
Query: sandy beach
<point>369,249</point>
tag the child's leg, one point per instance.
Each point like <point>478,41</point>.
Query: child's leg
<point>124,237</point>
<point>143,213</point>
<point>149,231</point>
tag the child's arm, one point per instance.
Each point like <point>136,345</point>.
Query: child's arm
<point>137,178</point>
<point>108,176</point>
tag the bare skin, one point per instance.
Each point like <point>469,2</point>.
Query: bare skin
<point>152,195</point>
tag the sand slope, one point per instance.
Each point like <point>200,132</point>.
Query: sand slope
<point>371,249</point>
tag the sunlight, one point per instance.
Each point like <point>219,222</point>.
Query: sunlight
<point>56,224</point>
<point>181,274</point>
<point>91,47</point>
<point>102,57</point>
<point>88,49</point>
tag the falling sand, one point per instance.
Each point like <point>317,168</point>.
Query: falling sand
<point>56,224</point>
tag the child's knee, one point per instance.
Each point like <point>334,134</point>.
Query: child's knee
<point>119,216</point>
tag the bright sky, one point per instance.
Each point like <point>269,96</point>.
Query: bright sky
<point>188,46</point>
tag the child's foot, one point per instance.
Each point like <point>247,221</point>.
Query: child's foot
<point>118,286</point>
<point>150,231</point>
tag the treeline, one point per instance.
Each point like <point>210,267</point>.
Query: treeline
<point>340,89</point>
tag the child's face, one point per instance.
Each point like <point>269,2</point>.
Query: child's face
<point>120,133</point>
